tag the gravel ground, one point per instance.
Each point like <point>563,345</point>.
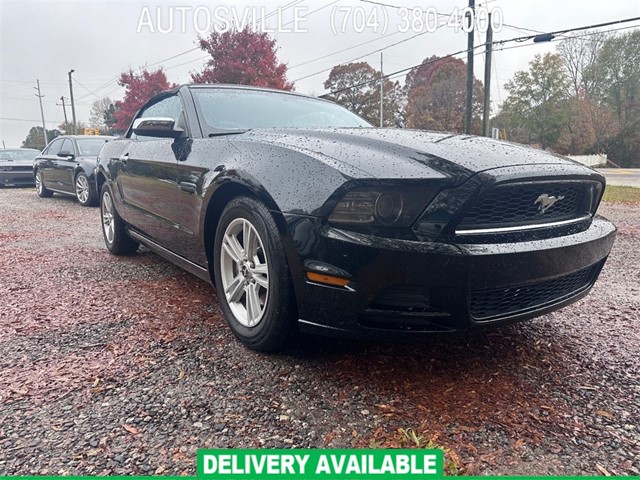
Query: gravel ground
<point>125,366</point>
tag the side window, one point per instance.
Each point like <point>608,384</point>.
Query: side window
<point>170,107</point>
<point>67,146</point>
<point>54,148</point>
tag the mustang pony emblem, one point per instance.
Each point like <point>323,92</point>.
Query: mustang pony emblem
<point>546,202</point>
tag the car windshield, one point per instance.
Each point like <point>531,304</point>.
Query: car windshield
<point>239,109</point>
<point>90,146</point>
<point>18,154</point>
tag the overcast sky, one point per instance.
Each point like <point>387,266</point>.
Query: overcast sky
<point>100,39</point>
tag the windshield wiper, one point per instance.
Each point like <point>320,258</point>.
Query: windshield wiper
<point>228,132</point>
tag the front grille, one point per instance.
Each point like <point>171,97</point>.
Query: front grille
<point>515,205</point>
<point>501,302</point>
<point>20,168</point>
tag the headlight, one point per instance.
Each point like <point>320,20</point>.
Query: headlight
<point>381,207</point>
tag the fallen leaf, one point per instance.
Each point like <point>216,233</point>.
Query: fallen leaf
<point>130,429</point>
<point>604,413</point>
<point>328,437</point>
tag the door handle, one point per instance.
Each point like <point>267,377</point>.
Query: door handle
<point>124,158</point>
<point>188,187</point>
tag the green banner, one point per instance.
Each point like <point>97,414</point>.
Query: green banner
<point>256,464</point>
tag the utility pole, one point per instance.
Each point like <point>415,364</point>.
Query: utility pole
<point>468,118</point>
<point>73,106</point>
<point>486,110</point>
<point>64,109</point>
<point>381,92</point>
<point>44,128</point>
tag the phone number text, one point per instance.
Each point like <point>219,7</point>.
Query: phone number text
<point>383,19</point>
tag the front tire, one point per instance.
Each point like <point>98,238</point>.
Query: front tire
<point>252,276</point>
<point>84,191</point>
<point>43,192</point>
<point>113,230</point>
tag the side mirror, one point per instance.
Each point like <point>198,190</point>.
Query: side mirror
<point>66,154</point>
<point>163,127</point>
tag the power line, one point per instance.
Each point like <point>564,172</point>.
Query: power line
<point>550,35</point>
<point>564,39</point>
<point>25,120</point>
<point>343,50</point>
<point>370,41</point>
<point>371,53</point>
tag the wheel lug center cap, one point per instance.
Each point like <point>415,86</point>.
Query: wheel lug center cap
<point>246,272</point>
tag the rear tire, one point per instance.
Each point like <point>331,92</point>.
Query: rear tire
<point>113,228</point>
<point>43,192</point>
<point>85,192</point>
<point>252,276</point>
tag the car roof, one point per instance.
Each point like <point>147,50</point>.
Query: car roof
<point>230,86</point>
<point>78,137</point>
<point>20,149</point>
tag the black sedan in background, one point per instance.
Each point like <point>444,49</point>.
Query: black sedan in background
<point>305,217</point>
<point>16,166</point>
<point>67,165</point>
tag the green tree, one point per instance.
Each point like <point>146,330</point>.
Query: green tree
<point>615,76</point>
<point>364,97</point>
<point>66,128</point>
<point>101,115</point>
<point>590,119</point>
<point>537,102</point>
<point>35,138</point>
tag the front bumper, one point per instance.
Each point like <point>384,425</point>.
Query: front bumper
<point>401,288</point>
<point>16,178</point>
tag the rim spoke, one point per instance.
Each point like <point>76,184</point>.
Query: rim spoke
<point>233,248</point>
<point>261,269</point>
<point>253,304</point>
<point>262,281</point>
<point>235,289</point>
<point>250,240</point>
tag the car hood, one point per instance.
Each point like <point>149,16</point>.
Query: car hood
<point>90,159</point>
<point>400,153</point>
<point>16,163</point>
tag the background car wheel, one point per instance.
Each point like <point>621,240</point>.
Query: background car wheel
<point>43,191</point>
<point>252,276</point>
<point>115,236</point>
<point>84,191</point>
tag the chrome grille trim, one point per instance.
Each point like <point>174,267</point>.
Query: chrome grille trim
<point>521,228</point>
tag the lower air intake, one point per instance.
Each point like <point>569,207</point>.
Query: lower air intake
<point>493,304</point>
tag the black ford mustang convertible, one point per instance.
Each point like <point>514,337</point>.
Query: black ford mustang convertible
<point>305,217</point>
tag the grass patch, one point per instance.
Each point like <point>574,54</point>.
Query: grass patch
<point>409,438</point>
<point>622,194</point>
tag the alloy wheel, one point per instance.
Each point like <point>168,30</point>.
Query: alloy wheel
<point>82,189</point>
<point>39,181</point>
<point>107,217</point>
<point>244,272</point>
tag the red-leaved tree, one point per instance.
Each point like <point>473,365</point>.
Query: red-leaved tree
<point>242,58</point>
<point>138,89</point>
